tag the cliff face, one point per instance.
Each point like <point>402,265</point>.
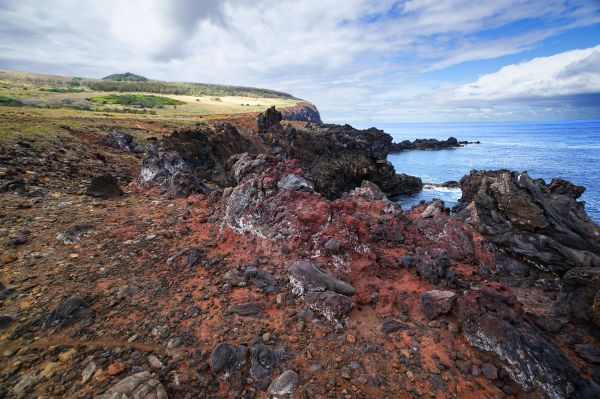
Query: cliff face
<point>303,112</point>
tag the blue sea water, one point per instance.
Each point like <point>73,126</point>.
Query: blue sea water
<point>570,150</point>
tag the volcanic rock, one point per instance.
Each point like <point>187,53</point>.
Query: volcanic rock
<point>227,358</point>
<point>307,277</point>
<point>264,360</point>
<point>68,312</point>
<point>436,302</point>
<point>105,186</point>
<point>579,296</point>
<point>138,386</point>
<point>285,384</point>
<point>330,304</point>
<point>424,144</point>
<point>541,222</point>
<point>493,320</point>
<point>303,111</point>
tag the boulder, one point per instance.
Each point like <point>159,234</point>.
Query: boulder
<point>494,321</point>
<point>227,358</point>
<point>306,277</point>
<point>285,384</point>
<point>543,223</point>
<point>137,386</point>
<point>121,141</point>
<point>436,302</point>
<point>105,186</point>
<point>333,306</point>
<point>264,360</point>
<point>579,298</point>
<point>68,312</point>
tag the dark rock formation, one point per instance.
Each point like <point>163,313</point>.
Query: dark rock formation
<point>105,186</point>
<point>269,119</point>
<point>579,298</point>
<point>121,141</point>
<point>493,320</point>
<point>306,277</point>
<point>338,158</point>
<point>544,223</point>
<point>303,111</point>
<point>227,358</point>
<point>436,302</point>
<point>321,291</point>
<point>264,360</point>
<point>197,156</point>
<point>425,144</point>
<point>68,312</point>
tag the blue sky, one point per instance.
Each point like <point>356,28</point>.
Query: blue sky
<point>359,61</point>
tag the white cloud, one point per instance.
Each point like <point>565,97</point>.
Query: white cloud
<point>568,73</point>
<point>350,57</point>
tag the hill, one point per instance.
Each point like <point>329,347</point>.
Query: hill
<point>127,76</point>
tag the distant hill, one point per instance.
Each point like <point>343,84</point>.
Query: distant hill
<point>127,76</point>
<point>131,83</point>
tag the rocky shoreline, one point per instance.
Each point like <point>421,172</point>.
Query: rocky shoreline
<point>428,144</point>
<point>257,258</point>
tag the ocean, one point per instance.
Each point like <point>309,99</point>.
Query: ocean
<point>570,150</point>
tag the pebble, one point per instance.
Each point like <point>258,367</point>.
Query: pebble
<point>266,337</point>
<point>115,368</point>
<point>68,355</point>
<point>489,371</point>
<point>87,373</point>
<point>285,384</point>
<point>350,338</point>
<point>154,362</point>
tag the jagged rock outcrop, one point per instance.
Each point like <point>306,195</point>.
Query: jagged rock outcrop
<point>337,158</point>
<point>186,159</point>
<point>579,298</point>
<point>543,223</point>
<point>494,321</point>
<point>425,144</point>
<point>303,111</point>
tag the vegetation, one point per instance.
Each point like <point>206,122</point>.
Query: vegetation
<point>61,90</point>
<point>127,76</point>
<point>140,100</point>
<point>189,89</point>
<point>9,101</point>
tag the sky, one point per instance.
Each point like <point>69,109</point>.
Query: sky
<point>358,61</point>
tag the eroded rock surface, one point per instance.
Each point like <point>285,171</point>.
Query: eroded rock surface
<point>544,223</point>
<point>138,386</point>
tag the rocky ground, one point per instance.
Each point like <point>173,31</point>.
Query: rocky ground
<point>235,272</point>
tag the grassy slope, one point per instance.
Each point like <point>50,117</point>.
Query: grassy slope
<point>35,120</point>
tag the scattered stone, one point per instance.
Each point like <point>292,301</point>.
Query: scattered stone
<point>115,368</point>
<point>105,186</point>
<point>68,312</point>
<point>330,304</point>
<point>285,384</point>
<point>437,302</point>
<point>154,362</point>
<point>19,240</point>
<point>390,326</point>
<point>489,371</point>
<point>333,246</point>
<point>74,233</point>
<point>305,277</point>
<point>248,309</point>
<point>88,372</point>
<point>227,358</point>
<point>138,386</point>
<point>68,355</point>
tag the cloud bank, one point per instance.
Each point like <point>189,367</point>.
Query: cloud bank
<point>358,60</point>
